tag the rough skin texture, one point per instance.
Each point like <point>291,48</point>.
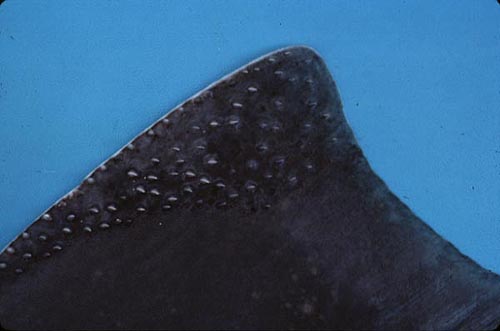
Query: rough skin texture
<point>250,206</point>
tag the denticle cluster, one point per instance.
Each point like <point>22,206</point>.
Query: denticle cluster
<point>242,143</point>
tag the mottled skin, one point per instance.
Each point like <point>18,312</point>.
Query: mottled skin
<point>250,206</point>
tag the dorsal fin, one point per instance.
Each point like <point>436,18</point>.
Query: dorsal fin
<point>248,206</point>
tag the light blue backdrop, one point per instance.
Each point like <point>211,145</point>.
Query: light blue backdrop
<point>420,81</point>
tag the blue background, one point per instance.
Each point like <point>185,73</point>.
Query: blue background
<point>420,81</point>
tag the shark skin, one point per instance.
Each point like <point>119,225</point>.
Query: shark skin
<point>249,206</point>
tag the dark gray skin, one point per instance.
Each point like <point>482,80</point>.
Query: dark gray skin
<point>251,206</point>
